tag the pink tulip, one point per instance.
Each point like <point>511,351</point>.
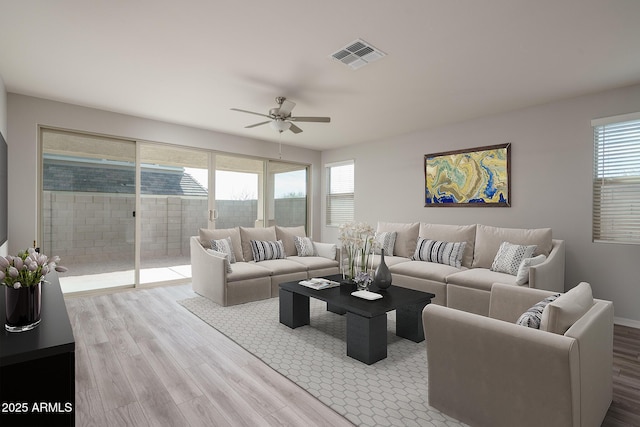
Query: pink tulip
<point>13,272</point>
<point>3,262</point>
<point>17,285</point>
<point>18,263</point>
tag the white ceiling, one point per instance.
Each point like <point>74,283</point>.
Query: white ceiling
<point>190,61</point>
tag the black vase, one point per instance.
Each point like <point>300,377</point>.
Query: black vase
<point>382,276</point>
<point>22,307</point>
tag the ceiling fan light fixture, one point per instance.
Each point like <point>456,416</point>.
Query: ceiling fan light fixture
<point>280,125</point>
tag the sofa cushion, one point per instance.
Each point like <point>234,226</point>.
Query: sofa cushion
<point>406,237</point>
<point>304,246</point>
<point>326,250</point>
<point>423,270</point>
<point>280,266</point>
<point>510,256</point>
<point>489,239</point>
<point>532,317</point>
<point>385,240</point>
<point>206,236</point>
<point>480,278</point>
<point>226,247</point>
<point>246,271</point>
<point>314,262</point>
<point>523,271</point>
<point>452,233</point>
<point>247,234</point>
<point>286,234</point>
<point>562,313</point>
<point>449,253</point>
<point>264,250</point>
<point>224,256</point>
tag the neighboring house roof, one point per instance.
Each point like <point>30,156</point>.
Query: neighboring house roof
<point>60,176</point>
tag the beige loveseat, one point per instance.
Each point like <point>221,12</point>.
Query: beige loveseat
<point>247,280</point>
<point>468,287</point>
<point>490,371</point>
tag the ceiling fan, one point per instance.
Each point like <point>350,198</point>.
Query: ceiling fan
<point>280,117</point>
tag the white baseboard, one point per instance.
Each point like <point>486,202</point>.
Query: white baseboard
<point>627,322</point>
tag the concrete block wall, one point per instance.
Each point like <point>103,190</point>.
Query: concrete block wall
<point>85,227</point>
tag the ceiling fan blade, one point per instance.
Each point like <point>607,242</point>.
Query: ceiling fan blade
<point>250,112</point>
<point>295,129</point>
<point>286,107</point>
<point>311,119</point>
<point>257,124</point>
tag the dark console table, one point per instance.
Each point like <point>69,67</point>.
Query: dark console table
<point>37,367</point>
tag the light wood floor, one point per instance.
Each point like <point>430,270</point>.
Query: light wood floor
<point>142,359</point>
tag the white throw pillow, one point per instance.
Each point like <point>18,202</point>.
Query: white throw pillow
<point>304,246</point>
<point>523,271</point>
<point>562,313</point>
<point>326,250</point>
<point>385,240</point>
<point>510,256</point>
<point>224,256</point>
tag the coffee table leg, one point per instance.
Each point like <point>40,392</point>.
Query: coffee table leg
<point>409,322</point>
<point>294,309</point>
<point>334,309</point>
<point>367,337</point>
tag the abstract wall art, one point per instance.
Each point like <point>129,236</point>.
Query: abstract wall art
<point>473,177</point>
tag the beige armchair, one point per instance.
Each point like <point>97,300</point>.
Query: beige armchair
<point>489,371</point>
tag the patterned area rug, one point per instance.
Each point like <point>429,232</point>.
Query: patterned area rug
<point>391,392</point>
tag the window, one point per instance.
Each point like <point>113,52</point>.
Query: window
<point>340,200</point>
<point>616,179</point>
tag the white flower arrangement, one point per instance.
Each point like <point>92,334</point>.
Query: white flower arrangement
<point>27,269</point>
<point>358,241</point>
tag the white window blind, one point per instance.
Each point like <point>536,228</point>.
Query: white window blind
<point>616,180</point>
<point>340,193</point>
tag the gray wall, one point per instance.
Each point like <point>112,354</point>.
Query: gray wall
<point>551,170</point>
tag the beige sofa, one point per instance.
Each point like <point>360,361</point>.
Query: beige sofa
<point>249,280</point>
<point>489,371</point>
<point>468,287</point>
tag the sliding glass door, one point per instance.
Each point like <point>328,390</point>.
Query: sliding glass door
<point>287,188</point>
<point>88,205</point>
<point>239,196</point>
<point>173,206</point>
<point>120,213</point>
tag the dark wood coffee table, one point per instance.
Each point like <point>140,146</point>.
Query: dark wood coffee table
<point>366,320</point>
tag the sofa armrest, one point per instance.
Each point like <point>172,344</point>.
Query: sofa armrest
<point>550,274</point>
<point>208,273</point>
<point>594,333</point>
<point>508,302</point>
<point>488,372</point>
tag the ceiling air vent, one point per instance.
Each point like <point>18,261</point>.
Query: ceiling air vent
<point>358,54</point>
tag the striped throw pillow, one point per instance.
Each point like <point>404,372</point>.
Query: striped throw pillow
<point>266,250</point>
<point>449,253</point>
<point>533,317</point>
